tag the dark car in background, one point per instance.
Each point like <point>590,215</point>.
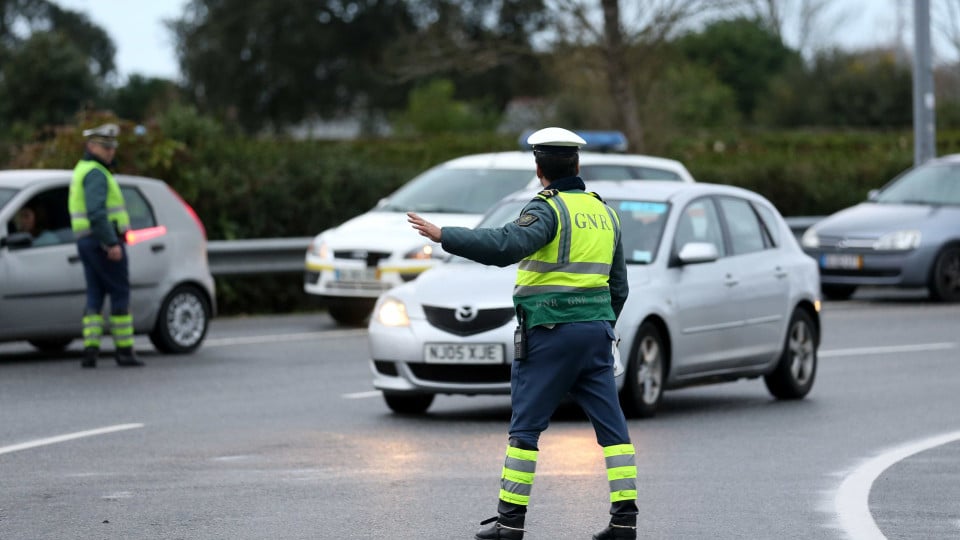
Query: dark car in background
<point>907,234</point>
<point>42,289</point>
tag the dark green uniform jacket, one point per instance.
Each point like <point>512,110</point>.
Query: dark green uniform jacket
<point>535,228</point>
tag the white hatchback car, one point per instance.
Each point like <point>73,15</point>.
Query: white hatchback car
<point>719,290</point>
<point>349,266</point>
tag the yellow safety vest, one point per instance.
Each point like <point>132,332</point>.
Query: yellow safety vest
<point>567,280</point>
<point>77,203</point>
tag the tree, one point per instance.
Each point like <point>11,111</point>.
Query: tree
<point>274,63</point>
<point>46,80</point>
<point>484,47</point>
<point>745,55</point>
<point>53,62</point>
<point>142,97</point>
<point>626,47</point>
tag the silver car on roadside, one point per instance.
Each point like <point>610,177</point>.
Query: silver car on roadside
<point>719,290</point>
<point>906,235</point>
<point>42,289</point>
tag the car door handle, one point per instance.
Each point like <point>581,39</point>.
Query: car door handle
<point>73,259</point>
<point>779,272</point>
<point>156,248</point>
<point>730,281</point>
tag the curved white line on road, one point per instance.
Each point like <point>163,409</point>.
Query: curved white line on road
<point>852,500</point>
<point>276,338</point>
<point>67,437</point>
<point>889,349</point>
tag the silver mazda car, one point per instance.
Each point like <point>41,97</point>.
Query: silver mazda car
<point>42,289</point>
<point>906,235</point>
<point>719,290</point>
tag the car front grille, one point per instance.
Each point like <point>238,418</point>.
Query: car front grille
<point>846,243</point>
<point>470,322</point>
<point>456,373</point>
<point>370,257</point>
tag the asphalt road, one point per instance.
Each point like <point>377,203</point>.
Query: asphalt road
<point>272,430</point>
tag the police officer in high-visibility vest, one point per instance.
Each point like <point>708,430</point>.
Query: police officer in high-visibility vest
<point>99,220</point>
<point>571,285</point>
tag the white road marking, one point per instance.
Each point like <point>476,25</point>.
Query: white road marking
<point>363,395</point>
<point>851,501</point>
<point>275,338</point>
<point>890,349</point>
<point>67,437</point>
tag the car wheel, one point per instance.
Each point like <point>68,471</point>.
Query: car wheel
<point>794,374</point>
<point>350,313</point>
<point>408,403</point>
<point>50,344</point>
<point>838,292</point>
<point>182,322</point>
<point>646,373</point>
<point>945,281</point>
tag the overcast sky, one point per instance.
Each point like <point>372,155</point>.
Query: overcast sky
<point>145,46</point>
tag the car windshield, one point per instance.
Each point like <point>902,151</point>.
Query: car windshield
<point>641,222</point>
<point>933,184</point>
<point>5,195</point>
<point>460,191</point>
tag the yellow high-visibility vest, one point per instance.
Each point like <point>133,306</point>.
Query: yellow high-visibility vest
<point>567,280</point>
<point>77,203</point>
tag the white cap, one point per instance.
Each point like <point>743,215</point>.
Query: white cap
<point>106,130</point>
<point>554,136</point>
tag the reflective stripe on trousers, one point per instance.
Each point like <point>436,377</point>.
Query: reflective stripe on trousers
<point>621,471</point>
<point>517,478</point>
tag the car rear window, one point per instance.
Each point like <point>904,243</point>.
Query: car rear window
<point>459,191</point>
<point>141,215</point>
<point>626,172</point>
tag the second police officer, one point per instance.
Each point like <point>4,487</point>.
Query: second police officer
<point>99,220</point>
<point>571,285</point>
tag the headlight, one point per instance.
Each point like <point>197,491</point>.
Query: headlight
<point>392,312</point>
<point>319,248</point>
<point>900,241</point>
<point>426,251</point>
<point>810,239</point>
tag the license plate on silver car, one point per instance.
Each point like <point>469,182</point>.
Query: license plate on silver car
<point>841,261</point>
<point>355,274</point>
<point>463,353</point>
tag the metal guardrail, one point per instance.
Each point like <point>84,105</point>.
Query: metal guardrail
<point>257,256</point>
<point>282,255</point>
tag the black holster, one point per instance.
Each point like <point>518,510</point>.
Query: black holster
<point>520,336</point>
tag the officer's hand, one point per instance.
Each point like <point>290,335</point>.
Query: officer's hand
<point>114,253</point>
<point>424,227</point>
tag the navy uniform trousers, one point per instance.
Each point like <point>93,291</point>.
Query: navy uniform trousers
<point>570,358</point>
<point>104,277</point>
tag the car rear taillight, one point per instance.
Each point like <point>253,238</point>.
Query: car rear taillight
<point>191,212</point>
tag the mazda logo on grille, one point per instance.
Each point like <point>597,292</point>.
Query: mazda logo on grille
<point>465,313</point>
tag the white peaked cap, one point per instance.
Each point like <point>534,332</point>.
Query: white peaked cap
<point>554,136</point>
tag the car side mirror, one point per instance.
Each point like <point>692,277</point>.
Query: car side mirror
<point>17,240</point>
<point>873,195</point>
<point>697,253</point>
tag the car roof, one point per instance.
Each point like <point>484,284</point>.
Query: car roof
<point>21,178</point>
<point>524,160</point>
<point>653,190</point>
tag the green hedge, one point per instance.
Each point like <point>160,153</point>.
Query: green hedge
<point>262,188</point>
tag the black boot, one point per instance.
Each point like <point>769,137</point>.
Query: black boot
<point>126,358</point>
<point>90,357</point>
<point>499,528</point>
<point>617,532</point>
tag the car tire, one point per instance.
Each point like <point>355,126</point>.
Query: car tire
<point>646,373</point>
<point>354,313</point>
<point>49,345</point>
<point>408,403</point>
<point>945,277</point>
<point>838,292</point>
<point>797,368</point>
<point>182,322</point>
